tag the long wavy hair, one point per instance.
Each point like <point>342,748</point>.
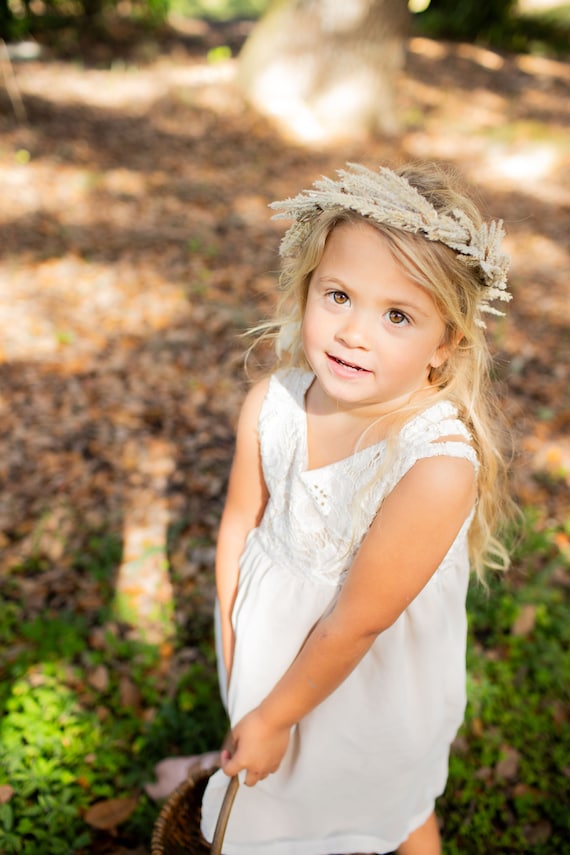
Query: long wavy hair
<point>464,378</point>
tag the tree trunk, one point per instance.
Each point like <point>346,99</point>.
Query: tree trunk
<point>326,68</point>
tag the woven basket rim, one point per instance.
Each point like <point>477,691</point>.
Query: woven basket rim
<point>202,766</point>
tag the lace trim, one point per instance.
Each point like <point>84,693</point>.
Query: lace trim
<point>444,448</point>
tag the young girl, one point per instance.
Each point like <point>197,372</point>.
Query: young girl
<point>366,478</point>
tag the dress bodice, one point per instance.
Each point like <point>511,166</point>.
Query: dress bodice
<point>315,519</point>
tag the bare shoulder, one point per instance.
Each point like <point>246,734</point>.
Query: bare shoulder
<point>442,482</point>
<point>253,401</point>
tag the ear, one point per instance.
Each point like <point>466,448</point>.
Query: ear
<point>439,356</point>
<point>444,350</point>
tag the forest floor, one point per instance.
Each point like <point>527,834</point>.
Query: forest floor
<point>137,246</point>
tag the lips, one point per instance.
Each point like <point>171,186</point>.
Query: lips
<point>349,366</point>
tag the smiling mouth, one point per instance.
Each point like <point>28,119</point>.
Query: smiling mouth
<point>349,365</point>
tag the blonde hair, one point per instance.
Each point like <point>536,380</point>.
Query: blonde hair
<point>464,378</point>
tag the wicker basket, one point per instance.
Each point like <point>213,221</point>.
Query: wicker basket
<point>177,829</point>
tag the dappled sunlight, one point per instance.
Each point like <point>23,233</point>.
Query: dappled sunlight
<point>529,166</point>
<point>144,597</point>
<point>116,246</point>
<point>538,254</point>
<point>489,59</point>
<point>543,67</point>
<point>439,50</point>
<point>67,309</point>
<point>512,137</point>
<point>31,187</point>
<point>103,245</point>
<point>122,88</point>
<point>429,48</point>
<point>537,169</point>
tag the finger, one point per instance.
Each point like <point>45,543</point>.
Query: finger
<point>228,744</point>
<point>231,766</point>
<point>228,754</point>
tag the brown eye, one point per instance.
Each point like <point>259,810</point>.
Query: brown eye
<point>339,297</point>
<point>396,317</point>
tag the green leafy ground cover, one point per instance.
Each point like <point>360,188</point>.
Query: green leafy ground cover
<point>67,742</point>
<point>516,729</point>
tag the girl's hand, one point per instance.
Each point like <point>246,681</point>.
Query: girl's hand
<point>258,747</point>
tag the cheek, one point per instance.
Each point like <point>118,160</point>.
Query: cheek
<point>311,325</point>
<point>306,333</point>
<point>416,361</point>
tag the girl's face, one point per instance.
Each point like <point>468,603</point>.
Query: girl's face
<point>370,334</point>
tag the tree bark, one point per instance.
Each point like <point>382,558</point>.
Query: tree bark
<point>325,68</point>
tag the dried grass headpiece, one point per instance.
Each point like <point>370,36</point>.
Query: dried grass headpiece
<point>389,199</point>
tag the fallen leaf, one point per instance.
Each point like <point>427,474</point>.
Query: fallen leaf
<point>508,766</point>
<point>524,623</point>
<point>99,678</point>
<point>477,727</point>
<point>110,813</point>
<point>485,773</point>
<point>6,793</point>
<point>130,694</point>
<point>538,833</point>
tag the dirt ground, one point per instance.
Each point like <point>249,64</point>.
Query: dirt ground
<point>137,245</point>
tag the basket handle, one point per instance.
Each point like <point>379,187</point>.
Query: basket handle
<point>224,815</point>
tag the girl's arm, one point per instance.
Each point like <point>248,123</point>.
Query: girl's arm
<point>406,543</point>
<point>245,502</point>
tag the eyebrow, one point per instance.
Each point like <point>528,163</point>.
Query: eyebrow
<point>332,280</point>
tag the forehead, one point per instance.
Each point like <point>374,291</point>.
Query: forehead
<point>356,239</point>
<point>359,249</point>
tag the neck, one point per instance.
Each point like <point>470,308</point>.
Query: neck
<point>365,413</point>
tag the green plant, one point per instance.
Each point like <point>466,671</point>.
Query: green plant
<point>68,741</point>
<point>65,746</point>
<point>499,24</point>
<point>87,711</point>
<point>19,18</point>
<point>45,738</point>
<point>508,775</point>
<point>219,9</point>
<point>468,19</point>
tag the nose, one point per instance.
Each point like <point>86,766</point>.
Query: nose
<point>353,332</point>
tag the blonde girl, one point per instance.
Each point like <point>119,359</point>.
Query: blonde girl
<point>367,479</point>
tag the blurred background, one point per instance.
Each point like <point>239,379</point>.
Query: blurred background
<point>140,144</point>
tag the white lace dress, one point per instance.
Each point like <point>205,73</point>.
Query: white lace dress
<point>363,769</point>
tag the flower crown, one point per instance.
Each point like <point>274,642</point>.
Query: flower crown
<point>389,199</point>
